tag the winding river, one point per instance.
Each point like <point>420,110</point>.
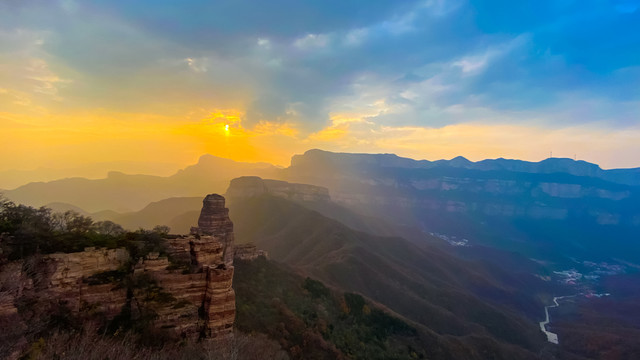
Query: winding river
<point>551,337</point>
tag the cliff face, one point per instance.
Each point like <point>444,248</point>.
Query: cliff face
<point>70,281</point>
<point>557,189</point>
<point>188,290</point>
<point>214,220</point>
<point>249,252</point>
<point>493,197</point>
<point>249,186</point>
<point>202,301</point>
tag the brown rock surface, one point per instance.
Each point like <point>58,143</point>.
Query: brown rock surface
<point>214,220</point>
<point>208,289</point>
<point>219,301</point>
<point>68,282</point>
<point>188,290</point>
<point>248,252</point>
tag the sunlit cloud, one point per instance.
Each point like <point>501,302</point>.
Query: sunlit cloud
<point>197,65</point>
<point>83,81</point>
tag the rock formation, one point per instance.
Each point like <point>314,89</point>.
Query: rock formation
<point>187,289</point>
<point>248,252</point>
<point>71,283</point>
<point>248,186</point>
<point>214,221</point>
<point>208,290</point>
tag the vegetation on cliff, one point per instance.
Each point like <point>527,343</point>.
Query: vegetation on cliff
<point>120,290</point>
<point>311,321</point>
<point>27,231</point>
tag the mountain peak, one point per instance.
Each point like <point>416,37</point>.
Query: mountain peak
<point>459,160</point>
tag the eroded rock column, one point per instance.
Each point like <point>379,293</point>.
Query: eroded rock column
<point>214,220</point>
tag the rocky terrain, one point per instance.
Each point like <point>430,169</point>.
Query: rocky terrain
<point>186,291</point>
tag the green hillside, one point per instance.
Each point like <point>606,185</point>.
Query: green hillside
<point>311,321</point>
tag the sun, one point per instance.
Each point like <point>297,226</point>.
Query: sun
<point>226,128</point>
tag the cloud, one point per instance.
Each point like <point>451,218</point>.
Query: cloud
<point>295,68</point>
<point>198,65</point>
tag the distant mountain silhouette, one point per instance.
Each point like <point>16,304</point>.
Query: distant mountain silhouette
<point>64,207</point>
<point>317,157</point>
<point>161,212</point>
<point>125,193</point>
<point>11,179</point>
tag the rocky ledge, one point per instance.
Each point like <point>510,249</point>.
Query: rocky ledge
<point>186,290</point>
<point>249,186</point>
<point>248,252</point>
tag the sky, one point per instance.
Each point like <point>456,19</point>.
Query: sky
<point>160,83</point>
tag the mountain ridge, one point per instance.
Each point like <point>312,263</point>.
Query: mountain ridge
<point>124,193</point>
<point>382,268</point>
<point>628,176</point>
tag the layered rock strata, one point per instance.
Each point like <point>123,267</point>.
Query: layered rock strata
<point>202,295</point>
<point>203,300</point>
<point>248,252</point>
<point>70,280</point>
<point>188,290</point>
<point>214,221</point>
<point>249,186</point>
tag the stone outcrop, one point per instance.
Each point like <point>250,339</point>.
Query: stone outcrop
<point>12,284</point>
<point>202,295</point>
<point>248,252</point>
<point>73,267</point>
<point>70,281</point>
<point>249,186</point>
<point>203,301</point>
<point>219,303</point>
<point>187,289</point>
<point>214,221</point>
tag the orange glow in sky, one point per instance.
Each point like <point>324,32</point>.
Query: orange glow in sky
<point>87,87</point>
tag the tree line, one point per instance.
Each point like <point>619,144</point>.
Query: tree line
<point>26,231</point>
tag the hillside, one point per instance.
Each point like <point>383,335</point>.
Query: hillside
<point>430,287</point>
<point>316,322</point>
<point>312,321</point>
<point>163,212</point>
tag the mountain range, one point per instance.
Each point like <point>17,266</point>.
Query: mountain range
<point>125,193</point>
<point>553,210</point>
<point>466,253</point>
